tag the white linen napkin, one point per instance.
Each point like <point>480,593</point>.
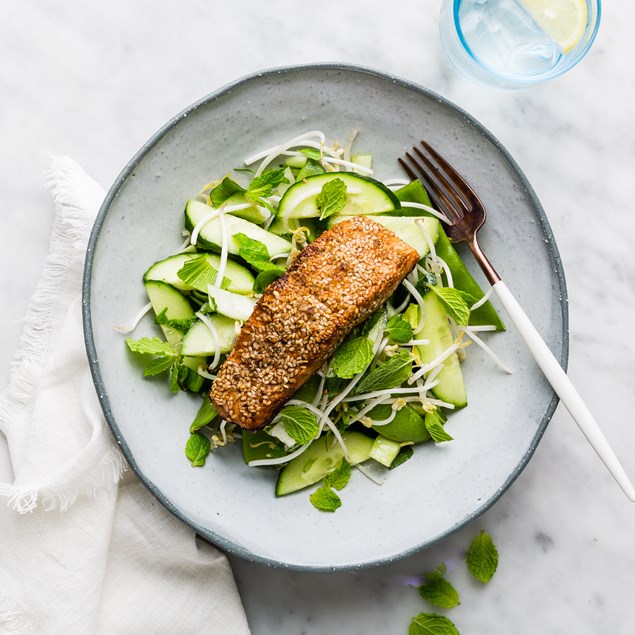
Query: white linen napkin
<point>84,547</point>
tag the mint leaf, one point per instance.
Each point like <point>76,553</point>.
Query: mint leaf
<point>182,326</point>
<point>205,415</point>
<point>310,168</point>
<point>158,365</point>
<point>439,572</point>
<point>312,153</point>
<point>331,198</point>
<point>439,592</point>
<point>150,346</point>
<point>263,185</point>
<point>265,278</point>
<point>391,374</point>
<point>352,357</point>
<point>197,448</point>
<point>325,499</point>
<point>456,303</point>
<point>482,558</point>
<point>431,624</point>
<point>255,253</point>
<point>339,477</point>
<point>175,377</point>
<point>433,422</point>
<point>300,424</point>
<point>405,453</point>
<point>198,274</point>
<point>223,191</point>
<point>399,330</point>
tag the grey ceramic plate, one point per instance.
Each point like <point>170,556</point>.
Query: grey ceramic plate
<point>442,487</point>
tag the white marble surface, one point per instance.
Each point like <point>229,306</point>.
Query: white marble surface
<point>94,80</point>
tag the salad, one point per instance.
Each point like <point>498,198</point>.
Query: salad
<point>394,379</point>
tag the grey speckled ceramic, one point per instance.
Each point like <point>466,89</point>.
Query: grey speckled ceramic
<point>442,487</point>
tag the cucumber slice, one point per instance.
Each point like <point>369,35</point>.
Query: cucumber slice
<point>260,445</point>
<point>199,341</point>
<point>320,459</point>
<point>241,279</point>
<point>278,228</point>
<point>253,214</point>
<point>451,387</point>
<point>408,424</point>
<point>384,450</point>
<point>486,313</point>
<point>232,305</point>
<point>364,196</point>
<point>164,297</point>
<point>406,228</point>
<point>210,236</point>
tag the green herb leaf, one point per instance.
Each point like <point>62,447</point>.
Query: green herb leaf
<point>391,374</point>
<point>310,168</point>
<point>198,274</point>
<point>197,449</point>
<point>265,278</point>
<point>158,365</point>
<point>456,303</point>
<point>182,326</point>
<point>254,253</point>
<point>325,499</point>
<point>175,377</point>
<point>433,422</point>
<point>312,153</point>
<point>405,453</point>
<point>482,558</point>
<point>411,315</point>
<point>223,191</point>
<point>439,592</point>
<point>263,185</point>
<point>150,346</point>
<point>300,424</point>
<point>399,330</point>
<point>352,357</point>
<point>205,415</point>
<point>432,624</point>
<point>439,572</point>
<point>339,477</point>
<point>331,198</point>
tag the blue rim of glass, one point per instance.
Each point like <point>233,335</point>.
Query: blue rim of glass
<point>531,79</point>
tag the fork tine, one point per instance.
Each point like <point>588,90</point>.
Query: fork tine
<point>438,197</point>
<point>447,186</point>
<point>449,169</point>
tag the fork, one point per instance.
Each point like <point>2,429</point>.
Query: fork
<point>466,214</point>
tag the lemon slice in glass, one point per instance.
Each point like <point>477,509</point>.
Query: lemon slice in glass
<point>564,21</point>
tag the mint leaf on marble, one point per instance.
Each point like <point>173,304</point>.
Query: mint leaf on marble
<point>438,591</point>
<point>482,558</point>
<point>432,624</point>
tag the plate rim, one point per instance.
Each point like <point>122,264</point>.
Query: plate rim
<point>100,387</point>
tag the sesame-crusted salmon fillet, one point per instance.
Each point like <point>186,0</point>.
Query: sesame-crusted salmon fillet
<point>334,284</point>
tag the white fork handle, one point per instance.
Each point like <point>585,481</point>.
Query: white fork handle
<point>564,388</point>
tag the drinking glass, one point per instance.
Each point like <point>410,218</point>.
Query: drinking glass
<point>499,44</point>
